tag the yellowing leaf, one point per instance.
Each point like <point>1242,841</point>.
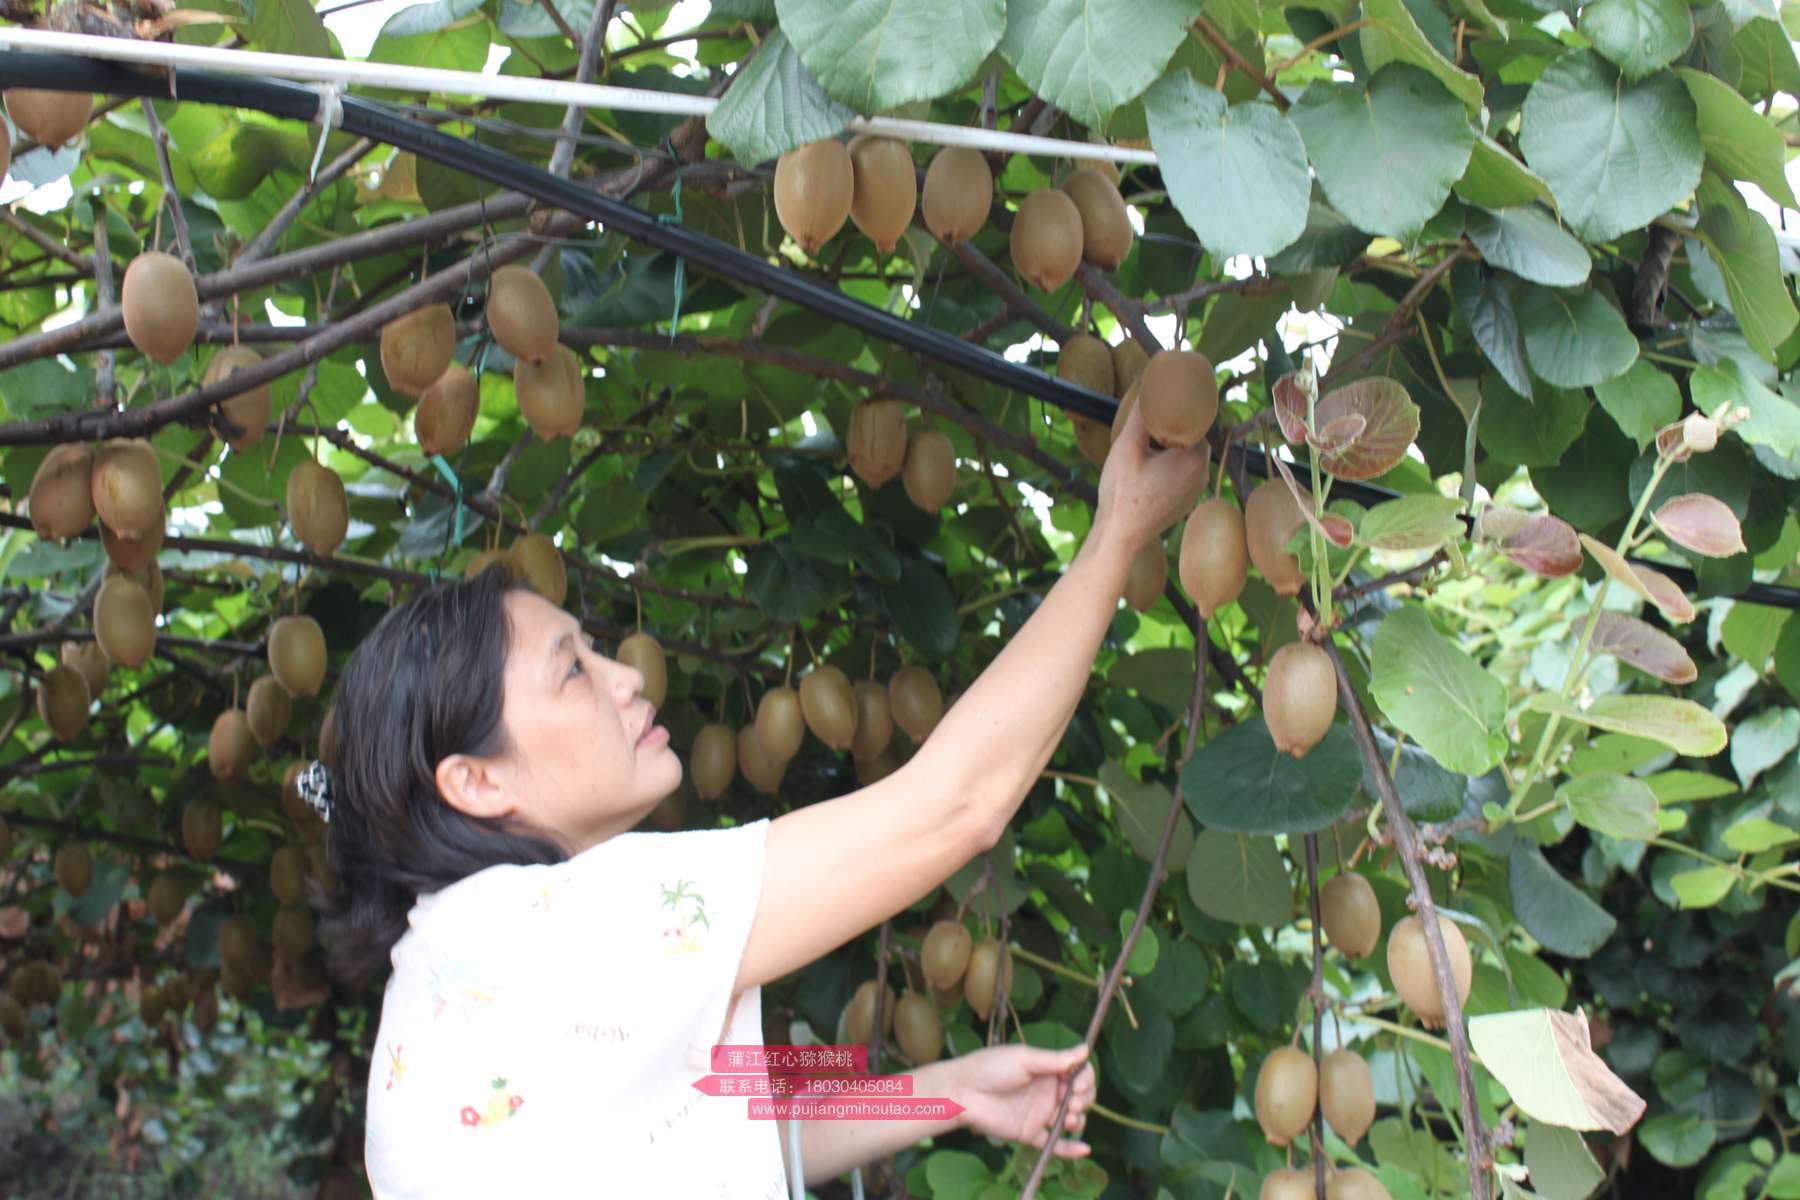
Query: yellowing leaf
<point>1546,1062</point>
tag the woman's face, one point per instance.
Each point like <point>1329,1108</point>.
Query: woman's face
<point>587,758</point>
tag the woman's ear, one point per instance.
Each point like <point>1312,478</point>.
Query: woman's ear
<point>471,785</point>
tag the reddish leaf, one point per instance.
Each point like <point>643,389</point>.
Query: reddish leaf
<point>1701,523</point>
<point>1337,530</point>
<point>1647,582</point>
<point>1338,433</point>
<point>1290,405</point>
<point>1391,423</point>
<point>1649,650</point>
<point>1543,545</point>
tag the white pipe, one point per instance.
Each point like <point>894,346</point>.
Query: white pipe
<point>514,87</point>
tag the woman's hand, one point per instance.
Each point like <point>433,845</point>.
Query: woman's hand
<point>1010,1092</point>
<point>1144,491</point>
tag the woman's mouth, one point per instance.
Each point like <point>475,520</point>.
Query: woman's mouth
<point>655,735</point>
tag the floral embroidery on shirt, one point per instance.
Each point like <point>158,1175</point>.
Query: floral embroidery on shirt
<point>500,1105</point>
<point>680,937</point>
<point>396,1068</point>
<point>457,984</point>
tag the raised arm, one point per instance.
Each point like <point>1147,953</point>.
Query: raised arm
<point>837,868</point>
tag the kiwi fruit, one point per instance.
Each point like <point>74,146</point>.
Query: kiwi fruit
<point>416,348</point>
<point>874,770</point>
<point>1287,1091</point>
<point>230,746</point>
<point>1215,560</point>
<point>1356,1184</point>
<point>268,709</point>
<point>1148,576</point>
<point>877,440</point>
<point>127,489</point>
<point>49,117</point>
<point>1350,914</point>
<point>238,945</point>
<point>293,930</point>
<point>151,1008</point>
<point>1271,517</point>
<point>74,868</point>
<point>63,702</point>
<point>959,190</point>
<point>124,621</point>
<point>1129,360</point>
<point>874,720</point>
<point>136,556</point>
<point>541,563</point>
<point>929,475</point>
<point>1106,233</point>
<point>1409,965</point>
<point>521,315</point>
<point>780,724</point>
<point>1347,1094</point>
<point>713,761</point>
<point>829,705</point>
<point>1127,402</point>
<point>446,412</point>
<point>859,1013</point>
<point>248,410</point>
<point>814,187</point>
<point>62,492</point>
<point>985,961</point>
<point>161,306</point>
<point>328,738</point>
<point>166,897</point>
<point>12,1014</point>
<point>1046,238</point>
<point>317,508</point>
<point>754,764</point>
<point>501,559</point>
<point>551,393</point>
<point>1299,697</point>
<point>1092,438</point>
<point>200,829</point>
<point>915,702</point>
<point>1180,396</point>
<point>945,954</point>
<point>1086,360</point>
<point>1288,1183</point>
<point>917,1028</point>
<point>645,653</point>
<point>884,191</point>
<point>297,655</point>
<point>175,995</point>
<point>90,660</point>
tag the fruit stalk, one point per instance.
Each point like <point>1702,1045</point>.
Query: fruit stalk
<point>159,137</point>
<point>1317,995</point>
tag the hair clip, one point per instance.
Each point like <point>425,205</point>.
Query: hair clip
<point>314,786</point>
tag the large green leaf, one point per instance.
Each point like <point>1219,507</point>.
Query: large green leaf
<point>878,54</point>
<point>1485,299</point>
<point>1561,1165</point>
<point>1774,419</point>
<point>1742,246</point>
<point>1088,57</point>
<point>289,27</point>
<point>1681,725</point>
<point>1237,175</point>
<point>1392,35</point>
<point>1616,154</point>
<point>1553,910</point>
<point>1640,401</point>
<point>1142,808</point>
<point>1239,781</point>
<point>1422,522</point>
<point>1762,741</point>
<point>775,105</point>
<point>1639,36</point>
<point>1239,879</point>
<point>1619,806</point>
<point>1437,695</point>
<point>924,609</point>
<point>1739,141</point>
<point>1388,155</point>
<point>1574,339</point>
<point>1546,1062</point>
<point>1528,242</point>
<point>1495,179</point>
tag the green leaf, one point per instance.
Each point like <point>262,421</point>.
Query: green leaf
<point>1679,787</point>
<point>1546,1062</point>
<point>462,47</point>
<point>1641,401</point>
<point>1437,695</point>
<point>289,27</point>
<point>1495,179</point>
<point>1677,1139</point>
<point>1237,175</point>
<point>879,54</point>
<point>1742,245</point>
<point>774,105</point>
<point>1528,242</point>
<point>1574,339</point>
<point>1617,805</point>
<point>1739,141</point>
<point>1419,522</point>
<point>1638,36</point>
<point>1761,741</point>
<point>1681,725</point>
<point>1753,835</point>
<point>1561,1165</point>
<point>956,1174</point>
<point>1530,434</point>
<point>1774,419</point>
<point>1239,879</point>
<point>428,18</point>
<point>1767,55</point>
<point>1553,910</point>
<point>787,585</point>
<point>1752,631</point>
<point>1702,888</point>
<point>924,609</point>
<point>1386,156</point>
<point>1241,783</point>
<point>1485,299</point>
<point>1616,155</point>
<point>1089,57</point>
<point>1141,810</point>
<point>1392,35</point>
<point>43,388</point>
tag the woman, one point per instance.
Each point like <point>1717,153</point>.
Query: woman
<point>558,982</point>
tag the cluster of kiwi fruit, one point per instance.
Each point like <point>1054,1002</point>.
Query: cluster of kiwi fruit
<point>1056,229</point>
<point>952,963</point>
<point>534,560</point>
<point>31,984</point>
<point>297,661</point>
<point>871,181</point>
<point>880,448</point>
<point>1351,917</point>
<point>1288,1090</point>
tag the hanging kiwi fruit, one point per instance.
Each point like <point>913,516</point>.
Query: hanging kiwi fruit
<point>828,703</point>
<point>1180,396</point>
<point>1106,233</point>
<point>874,721</point>
<point>166,897</point>
<point>161,306</point>
<point>521,315</point>
<point>447,411</point>
<point>1409,965</point>
<point>918,1029</point>
<point>497,558</point>
<point>1287,1183</point>
<point>74,868</point>
<point>959,190</point>
<point>645,653</point>
<point>1287,1091</point>
<point>49,117</point>
<point>62,492</point>
<point>551,393</point>
<point>1356,1184</point>
<point>877,440</point>
<point>127,489</point>
<point>859,1013</point>
<point>1086,361</point>
<point>713,762</point>
<point>1129,360</point>
<point>238,945</point>
<point>297,655</point>
<point>915,702</point>
<point>929,474</point>
<point>63,702</point>
<point>1271,517</point>
<point>884,191</point>
<point>268,709</point>
<point>318,510</point>
<point>1350,914</point>
<point>986,961</point>
<point>248,410</point>
<point>287,875</point>
<point>200,829</point>
<point>135,557</point>
<point>1215,559</point>
<point>124,621</point>
<point>541,563</point>
<point>879,767</point>
<point>416,348</point>
<point>1347,1094</point>
<point>780,724</point>
<point>814,188</point>
<point>944,956</point>
<point>12,1014</point>
<point>754,764</point>
<point>230,746</point>
<point>1299,697</point>
<point>1046,238</point>
<point>292,932</point>
<point>1148,576</point>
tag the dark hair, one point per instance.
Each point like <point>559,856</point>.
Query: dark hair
<point>427,683</point>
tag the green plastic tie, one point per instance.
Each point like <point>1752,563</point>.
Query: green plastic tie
<point>674,218</point>
<point>454,535</point>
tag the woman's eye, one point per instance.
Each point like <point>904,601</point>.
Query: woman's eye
<point>575,666</point>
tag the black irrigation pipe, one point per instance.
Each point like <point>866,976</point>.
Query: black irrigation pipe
<point>64,72</point>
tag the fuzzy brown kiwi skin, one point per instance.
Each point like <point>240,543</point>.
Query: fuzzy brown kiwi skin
<point>754,764</point>
<point>248,410</point>
<point>521,314</point>
<point>542,565</point>
<point>877,441</point>
<point>1106,233</point>
<point>1271,517</point>
<point>1148,576</point>
<point>90,660</point>
<point>1287,1091</point>
<point>915,701</point>
<point>885,189</point>
<point>959,191</point>
<point>945,954</point>
<point>200,829</point>
<point>645,653</point>
<point>860,1012</point>
<point>74,868</point>
<point>1356,1184</point>
<point>447,411</point>
<point>1215,560</point>
<point>1046,239</point>
<point>127,489</point>
<point>416,348</point>
<point>62,492</point>
<point>52,118</point>
<point>828,703</point>
<point>231,746</point>
<point>1409,966</point>
<point>1299,697</point>
<point>1180,397</point>
<point>874,721</point>
<point>917,1028</point>
<point>297,654</point>
<point>550,393</point>
<point>1351,915</point>
<point>125,621</point>
<point>814,187</point>
<point>160,304</point>
<point>268,709</point>
<point>929,473</point>
<point>713,760</point>
<point>318,508</point>
<point>63,702</point>
<point>987,961</point>
<point>1287,1183</point>
<point>780,724</point>
<point>1347,1094</point>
